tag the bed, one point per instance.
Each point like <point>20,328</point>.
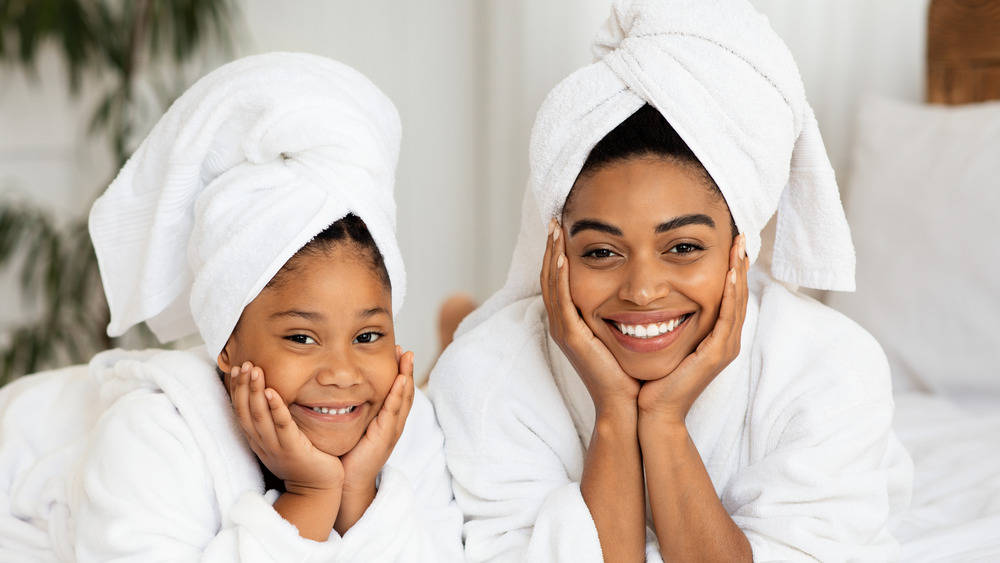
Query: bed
<point>923,200</point>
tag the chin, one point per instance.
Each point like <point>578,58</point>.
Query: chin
<point>649,369</point>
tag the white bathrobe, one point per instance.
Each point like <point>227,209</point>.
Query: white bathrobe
<point>795,434</point>
<point>141,459</point>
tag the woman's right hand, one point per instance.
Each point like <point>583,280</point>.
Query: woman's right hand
<point>608,384</point>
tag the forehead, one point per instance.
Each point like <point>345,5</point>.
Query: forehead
<point>643,186</point>
<point>339,279</point>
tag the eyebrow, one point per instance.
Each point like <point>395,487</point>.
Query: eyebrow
<point>317,317</point>
<point>307,315</point>
<point>685,220</point>
<point>675,223</point>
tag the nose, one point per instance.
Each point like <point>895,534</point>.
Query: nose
<point>338,368</point>
<point>644,281</point>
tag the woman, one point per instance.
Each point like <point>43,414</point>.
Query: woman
<point>654,365</point>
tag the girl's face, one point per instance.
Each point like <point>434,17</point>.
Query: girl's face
<point>324,338</point>
<point>648,248</point>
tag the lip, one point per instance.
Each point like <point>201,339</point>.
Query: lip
<point>647,345</point>
<point>307,411</point>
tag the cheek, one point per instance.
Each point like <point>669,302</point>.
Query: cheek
<point>705,287</point>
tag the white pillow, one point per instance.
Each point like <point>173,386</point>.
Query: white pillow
<point>923,202</point>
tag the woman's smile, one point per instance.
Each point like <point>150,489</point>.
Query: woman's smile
<point>648,245</point>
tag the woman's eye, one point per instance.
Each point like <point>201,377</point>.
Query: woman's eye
<point>301,339</point>
<point>600,253</point>
<point>367,338</point>
<point>685,248</point>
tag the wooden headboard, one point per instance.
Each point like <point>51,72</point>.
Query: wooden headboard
<point>963,51</point>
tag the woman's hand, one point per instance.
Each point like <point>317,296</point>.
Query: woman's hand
<point>609,385</point>
<point>366,459</point>
<point>670,398</point>
<point>276,439</point>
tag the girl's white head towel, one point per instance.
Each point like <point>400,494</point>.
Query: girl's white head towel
<point>729,86</point>
<point>244,169</point>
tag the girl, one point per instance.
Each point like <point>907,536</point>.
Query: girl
<point>660,394</point>
<point>258,212</point>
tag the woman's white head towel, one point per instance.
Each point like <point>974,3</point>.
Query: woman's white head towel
<point>245,168</point>
<point>729,86</point>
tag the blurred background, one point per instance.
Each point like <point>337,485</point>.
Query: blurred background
<point>81,82</point>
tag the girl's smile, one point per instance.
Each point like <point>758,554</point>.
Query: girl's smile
<point>323,336</point>
<point>648,247</point>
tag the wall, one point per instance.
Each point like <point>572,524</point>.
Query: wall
<point>467,77</point>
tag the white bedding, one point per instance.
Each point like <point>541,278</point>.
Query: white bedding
<point>955,512</point>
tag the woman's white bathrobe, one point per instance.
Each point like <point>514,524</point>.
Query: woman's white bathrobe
<point>141,459</point>
<point>795,435</point>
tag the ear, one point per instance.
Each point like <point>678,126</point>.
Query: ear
<point>224,360</point>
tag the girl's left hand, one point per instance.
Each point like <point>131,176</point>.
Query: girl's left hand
<point>366,459</point>
<point>669,399</point>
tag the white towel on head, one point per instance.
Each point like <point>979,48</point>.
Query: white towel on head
<point>245,168</point>
<point>730,88</point>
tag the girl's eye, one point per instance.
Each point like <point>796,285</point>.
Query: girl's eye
<point>301,339</point>
<point>367,338</point>
<point>685,248</point>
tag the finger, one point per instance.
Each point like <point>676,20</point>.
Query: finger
<point>399,352</point>
<point>405,363</point>
<point>240,393</point>
<point>260,411</point>
<point>407,397</point>
<point>563,299</point>
<point>285,429</point>
<point>544,272</point>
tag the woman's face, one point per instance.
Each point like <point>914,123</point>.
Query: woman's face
<point>324,338</point>
<point>648,247</point>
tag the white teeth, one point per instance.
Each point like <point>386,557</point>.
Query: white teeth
<point>325,410</point>
<point>650,330</point>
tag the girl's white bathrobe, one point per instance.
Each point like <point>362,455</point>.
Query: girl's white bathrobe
<point>140,458</point>
<point>795,434</point>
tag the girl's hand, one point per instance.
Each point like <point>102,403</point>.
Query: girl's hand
<point>670,398</point>
<point>366,459</point>
<point>608,384</point>
<point>277,440</point>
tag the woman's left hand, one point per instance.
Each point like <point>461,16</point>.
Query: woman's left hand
<point>669,399</point>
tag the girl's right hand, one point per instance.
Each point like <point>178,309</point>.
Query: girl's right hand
<point>277,440</point>
<point>609,386</point>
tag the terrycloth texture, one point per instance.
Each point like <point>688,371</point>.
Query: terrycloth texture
<point>729,86</point>
<point>244,169</point>
<point>795,435</point>
<point>145,461</point>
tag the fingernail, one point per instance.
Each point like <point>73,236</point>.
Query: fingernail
<point>552,225</point>
<point>253,375</point>
<point>732,276</point>
<point>268,394</point>
<point>246,367</point>
<point>560,260</point>
<point>743,246</point>
<point>555,234</point>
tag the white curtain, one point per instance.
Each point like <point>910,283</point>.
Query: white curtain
<point>468,77</point>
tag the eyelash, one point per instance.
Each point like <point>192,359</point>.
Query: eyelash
<point>606,253</point>
<point>370,333</point>
<point>682,248</point>
<point>299,338</point>
<point>690,247</point>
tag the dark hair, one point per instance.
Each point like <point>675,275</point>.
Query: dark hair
<point>349,230</point>
<point>645,134</point>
